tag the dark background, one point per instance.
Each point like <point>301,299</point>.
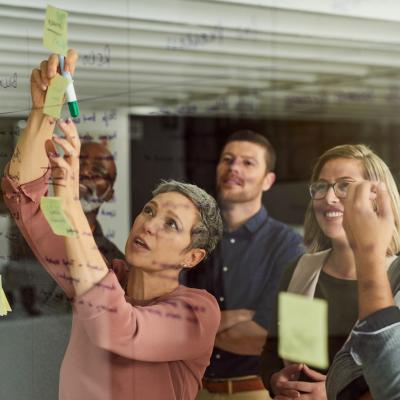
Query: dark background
<point>187,148</point>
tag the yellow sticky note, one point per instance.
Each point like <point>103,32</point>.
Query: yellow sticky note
<point>55,34</point>
<point>54,214</point>
<point>4,305</point>
<point>55,96</point>
<point>303,329</point>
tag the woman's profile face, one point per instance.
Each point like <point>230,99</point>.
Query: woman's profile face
<point>161,233</point>
<point>329,210</point>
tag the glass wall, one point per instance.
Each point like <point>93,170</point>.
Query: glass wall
<point>161,84</point>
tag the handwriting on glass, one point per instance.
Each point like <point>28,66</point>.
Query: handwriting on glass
<point>98,58</point>
<point>195,40</point>
<point>9,81</point>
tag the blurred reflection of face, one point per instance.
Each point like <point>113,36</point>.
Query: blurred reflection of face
<point>161,233</point>
<point>329,210</point>
<point>96,176</point>
<point>241,172</point>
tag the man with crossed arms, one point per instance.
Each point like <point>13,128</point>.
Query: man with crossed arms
<point>244,271</point>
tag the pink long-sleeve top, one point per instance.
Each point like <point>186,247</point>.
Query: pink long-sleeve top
<point>119,350</point>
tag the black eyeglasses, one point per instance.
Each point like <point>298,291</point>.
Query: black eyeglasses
<point>319,189</point>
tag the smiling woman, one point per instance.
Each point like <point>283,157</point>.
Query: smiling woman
<point>137,333</point>
<point>328,271</point>
<point>327,205</point>
<point>372,168</point>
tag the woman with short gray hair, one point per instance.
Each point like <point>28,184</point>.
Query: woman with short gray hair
<point>136,332</point>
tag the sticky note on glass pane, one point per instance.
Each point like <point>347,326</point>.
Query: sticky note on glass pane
<point>55,96</point>
<point>303,329</point>
<point>54,214</point>
<point>4,305</point>
<point>55,34</point>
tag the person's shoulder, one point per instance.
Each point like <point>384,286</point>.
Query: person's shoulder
<point>200,309</point>
<point>198,301</point>
<point>194,295</point>
<point>282,227</point>
<point>285,236</point>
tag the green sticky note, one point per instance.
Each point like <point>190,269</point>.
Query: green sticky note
<point>303,329</point>
<point>55,96</point>
<point>55,34</point>
<point>54,214</point>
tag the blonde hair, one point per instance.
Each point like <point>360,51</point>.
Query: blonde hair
<point>374,169</point>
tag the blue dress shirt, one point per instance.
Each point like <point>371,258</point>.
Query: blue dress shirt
<point>244,272</point>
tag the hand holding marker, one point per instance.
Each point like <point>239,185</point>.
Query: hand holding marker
<point>70,91</point>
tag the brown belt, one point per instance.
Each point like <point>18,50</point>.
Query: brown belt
<point>233,386</point>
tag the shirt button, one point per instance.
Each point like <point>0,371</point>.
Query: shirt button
<point>225,268</point>
<point>232,240</point>
<point>218,356</point>
<point>221,299</point>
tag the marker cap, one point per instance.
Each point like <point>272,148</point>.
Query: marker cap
<point>73,109</point>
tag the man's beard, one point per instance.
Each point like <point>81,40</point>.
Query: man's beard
<point>228,198</point>
<point>90,198</point>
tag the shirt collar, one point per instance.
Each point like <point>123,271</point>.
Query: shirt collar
<point>253,223</point>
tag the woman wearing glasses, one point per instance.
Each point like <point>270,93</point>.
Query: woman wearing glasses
<point>328,270</point>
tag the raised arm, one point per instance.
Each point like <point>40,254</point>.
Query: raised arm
<point>86,264</point>
<point>26,179</point>
<point>369,229</point>
<point>29,161</point>
<point>376,337</point>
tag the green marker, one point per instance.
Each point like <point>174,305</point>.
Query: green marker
<point>70,91</point>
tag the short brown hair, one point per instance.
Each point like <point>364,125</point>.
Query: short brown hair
<point>247,135</point>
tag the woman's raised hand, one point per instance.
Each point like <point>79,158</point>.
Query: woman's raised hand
<point>368,217</point>
<point>41,77</point>
<point>65,169</point>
